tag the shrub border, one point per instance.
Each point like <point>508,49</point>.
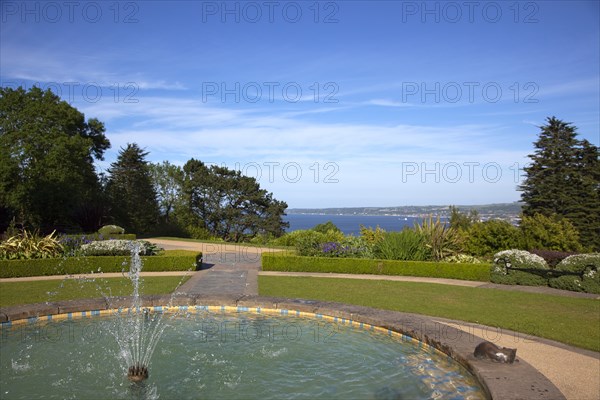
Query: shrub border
<point>84,265</point>
<point>293,263</point>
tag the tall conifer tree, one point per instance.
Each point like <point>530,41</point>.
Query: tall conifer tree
<point>564,179</point>
<point>131,192</point>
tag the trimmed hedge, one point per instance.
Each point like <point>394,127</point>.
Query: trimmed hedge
<point>289,263</point>
<point>86,265</point>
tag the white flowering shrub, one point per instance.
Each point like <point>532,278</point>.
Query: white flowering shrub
<point>519,267</point>
<point>115,247</point>
<point>519,259</point>
<point>579,272</point>
<point>579,262</point>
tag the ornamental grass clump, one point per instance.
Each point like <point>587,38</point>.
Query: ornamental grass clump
<point>579,273</point>
<point>519,267</point>
<point>408,245</point>
<point>27,245</point>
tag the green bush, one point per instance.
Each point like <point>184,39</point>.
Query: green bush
<point>489,237</point>
<point>199,233</point>
<point>86,265</point>
<point>581,273</point>
<point>549,233</point>
<point>107,230</point>
<point>406,245</point>
<point>326,227</point>
<point>370,235</point>
<point>288,263</point>
<point>519,267</point>
<point>309,242</point>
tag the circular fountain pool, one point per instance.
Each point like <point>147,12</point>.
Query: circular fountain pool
<point>215,353</point>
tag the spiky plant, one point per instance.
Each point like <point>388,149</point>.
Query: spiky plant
<point>28,245</point>
<point>440,238</point>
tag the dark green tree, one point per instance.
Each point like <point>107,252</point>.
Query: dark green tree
<point>131,193</point>
<point>563,179</point>
<point>167,179</point>
<point>461,221</point>
<point>489,237</point>
<point>326,227</point>
<point>541,232</point>
<point>47,151</point>
<point>227,204</point>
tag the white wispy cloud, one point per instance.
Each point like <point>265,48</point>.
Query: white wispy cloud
<point>588,85</point>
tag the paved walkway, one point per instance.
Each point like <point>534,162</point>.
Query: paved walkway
<point>227,269</point>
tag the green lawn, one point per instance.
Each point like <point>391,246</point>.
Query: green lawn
<point>13,293</point>
<point>569,320</point>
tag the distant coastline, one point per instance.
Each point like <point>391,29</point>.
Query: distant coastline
<point>505,211</point>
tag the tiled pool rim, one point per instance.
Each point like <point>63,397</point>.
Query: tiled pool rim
<point>501,381</point>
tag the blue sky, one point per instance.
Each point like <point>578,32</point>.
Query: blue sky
<point>327,104</point>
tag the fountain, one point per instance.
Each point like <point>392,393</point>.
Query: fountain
<point>137,332</point>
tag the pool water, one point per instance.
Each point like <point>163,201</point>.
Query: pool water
<point>222,355</point>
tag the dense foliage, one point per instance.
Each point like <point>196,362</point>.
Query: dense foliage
<point>489,237</point>
<point>47,151</point>
<point>564,179</point>
<point>167,180</point>
<point>48,181</point>
<point>131,192</point>
<point>549,232</point>
<point>226,204</point>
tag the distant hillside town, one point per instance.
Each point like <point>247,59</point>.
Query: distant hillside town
<point>504,211</point>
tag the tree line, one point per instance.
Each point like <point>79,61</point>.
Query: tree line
<point>48,180</point>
